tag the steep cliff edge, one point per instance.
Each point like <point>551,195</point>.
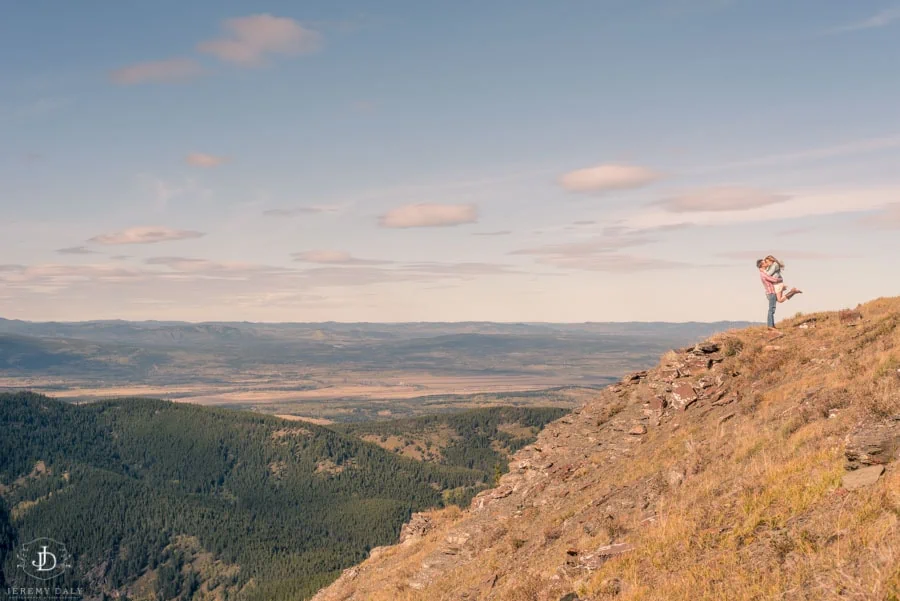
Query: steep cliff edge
<point>742,468</point>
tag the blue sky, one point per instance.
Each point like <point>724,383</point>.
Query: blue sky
<point>494,160</point>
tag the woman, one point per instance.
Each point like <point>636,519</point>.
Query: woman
<point>773,268</point>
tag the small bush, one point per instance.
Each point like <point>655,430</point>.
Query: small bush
<point>733,346</point>
<point>846,316</point>
<point>552,533</point>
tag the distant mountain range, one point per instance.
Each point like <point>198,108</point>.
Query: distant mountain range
<point>138,349</point>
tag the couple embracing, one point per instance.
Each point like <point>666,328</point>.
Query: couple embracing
<point>776,292</point>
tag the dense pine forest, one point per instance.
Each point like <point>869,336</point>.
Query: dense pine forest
<point>158,500</point>
<point>474,439</point>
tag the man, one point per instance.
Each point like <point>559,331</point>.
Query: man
<point>769,284</point>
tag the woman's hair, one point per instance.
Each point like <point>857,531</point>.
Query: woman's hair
<point>759,263</point>
<point>773,259</point>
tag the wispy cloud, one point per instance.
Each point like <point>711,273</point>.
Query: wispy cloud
<point>333,257</point>
<point>249,40</point>
<point>601,244</point>
<point>294,211</point>
<point>465,270</point>
<point>602,253</point>
<point>429,215</point>
<point>171,70</point>
<point>721,198</point>
<point>209,268</point>
<point>145,235</point>
<point>888,218</point>
<point>800,203</point>
<point>614,262</point>
<point>76,250</point>
<point>784,255</point>
<point>794,231</point>
<point>201,159</point>
<point>812,154</point>
<point>497,233</point>
<point>360,275</point>
<point>878,20</point>
<point>608,177</point>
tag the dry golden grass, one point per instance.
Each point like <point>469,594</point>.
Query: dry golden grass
<point>766,519</point>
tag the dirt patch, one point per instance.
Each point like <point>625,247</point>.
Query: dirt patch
<point>319,421</point>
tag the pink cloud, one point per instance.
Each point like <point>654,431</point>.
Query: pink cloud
<point>608,177</point>
<point>249,39</point>
<point>199,159</point>
<point>174,69</point>
<point>429,215</point>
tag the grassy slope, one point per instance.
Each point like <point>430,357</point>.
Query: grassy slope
<point>737,502</point>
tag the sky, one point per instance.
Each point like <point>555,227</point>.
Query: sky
<point>490,160</point>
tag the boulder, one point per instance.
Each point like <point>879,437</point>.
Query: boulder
<point>705,348</point>
<point>864,476</point>
<point>873,444</point>
<point>669,375</point>
<point>683,395</point>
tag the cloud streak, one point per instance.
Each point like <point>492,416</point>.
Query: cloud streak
<point>888,218</point>
<point>721,198</point>
<point>200,159</point>
<point>145,235</point>
<point>784,255</point>
<point>333,257</point>
<point>429,215</point>
<point>800,204</point>
<point>171,70</point>
<point>876,21</point>
<point>600,254</point>
<point>813,154</point>
<point>294,211</point>
<point>76,250</point>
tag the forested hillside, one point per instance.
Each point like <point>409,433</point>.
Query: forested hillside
<point>162,500</point>
<point>481,439</point>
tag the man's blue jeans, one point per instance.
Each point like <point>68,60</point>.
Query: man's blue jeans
<point>773,302</point>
